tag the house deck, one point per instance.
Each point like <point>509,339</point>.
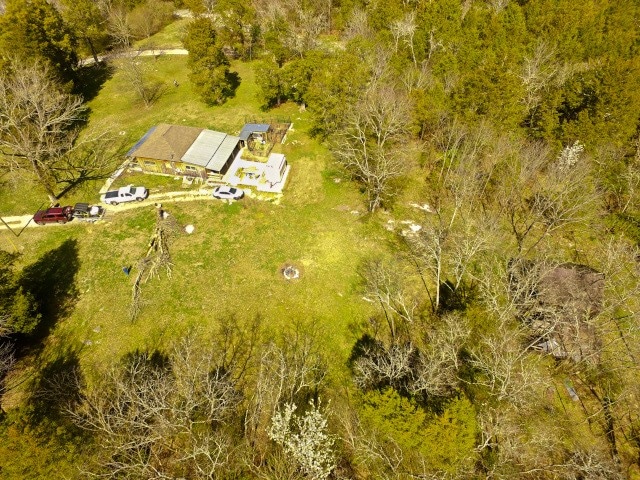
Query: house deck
<point>245,172</point>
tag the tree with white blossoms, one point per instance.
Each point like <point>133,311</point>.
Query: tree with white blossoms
<point>305,438</point>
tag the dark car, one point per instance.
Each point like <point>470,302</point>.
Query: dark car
<point>53,215</point>
<point>87,213</point>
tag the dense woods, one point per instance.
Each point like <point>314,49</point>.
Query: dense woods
<point>506,340</point>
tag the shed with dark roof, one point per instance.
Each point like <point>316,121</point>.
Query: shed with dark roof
<point>251,128</point>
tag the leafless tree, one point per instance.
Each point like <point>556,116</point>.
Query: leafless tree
<point>117,23</point>
<point>37,122</point>
<point>385,285</point>
<point>522,442</point>
<point>95,155</point>
<point>358,24</point>
<point>405,29</point>
<point>372,145</point>
<point>155,419</point>
<point>380,365</point>
<point>538,72</point>
<point>291,368</point>
<point>508,368</point>
<point>437,372</point>
<point>541,195</point>
<point>454,229</point>
<point>157,258</point>
<point>146,88</point>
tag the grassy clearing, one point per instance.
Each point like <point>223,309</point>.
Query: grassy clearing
<point>169,37</point>
<point>118,105</point>
<point>230,265</point>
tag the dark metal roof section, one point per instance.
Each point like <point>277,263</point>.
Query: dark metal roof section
<point>250,128</point>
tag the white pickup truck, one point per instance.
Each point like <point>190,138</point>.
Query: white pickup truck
<point>125,194</point>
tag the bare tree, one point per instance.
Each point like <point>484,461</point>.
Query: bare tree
<point>357,25</point>
<point>146,88</point>
<point>405,28</point>
<point>386,286</point>
<point>117,23</point>
<point>455,229</point>
<point>373,145</point>
<point>538,71</point>
<point>540,195</point>
<point>95,155</point>
<point>291,368</point>
<point>508,369</point>
<point>156,418</point>
<point>157,258</point>
<point>37,122</point>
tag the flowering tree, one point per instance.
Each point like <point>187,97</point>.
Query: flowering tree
<point>306,439</point>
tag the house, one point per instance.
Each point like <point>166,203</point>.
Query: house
<point>181,150</point>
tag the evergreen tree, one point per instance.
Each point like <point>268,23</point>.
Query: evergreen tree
<point>87,23</point>
<point>34,29</point>
<point>209,67</point>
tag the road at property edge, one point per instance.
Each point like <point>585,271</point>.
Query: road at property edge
<point>19,222</point>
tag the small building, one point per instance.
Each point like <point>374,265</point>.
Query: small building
<point>254,131</point>
<point>181,150</point>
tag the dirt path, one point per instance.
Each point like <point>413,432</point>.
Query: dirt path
<point>19,222</point>
<point>157,52</point>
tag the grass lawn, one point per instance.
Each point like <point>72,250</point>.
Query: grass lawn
<point>118,106</point>
<point>154,183</point>
<point>169,37</point>
<point>230,265</point>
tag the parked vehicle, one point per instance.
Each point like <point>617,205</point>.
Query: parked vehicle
<point>225,192</point>
<point>53,215</point>
<point>125,194</point>
<point>88,213</point>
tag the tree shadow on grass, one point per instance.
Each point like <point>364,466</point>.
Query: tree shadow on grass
<point>233,82</point>
<point>55,389</point>
<point>43,418</point>
<point>51,282</point>
<point>91,79</point>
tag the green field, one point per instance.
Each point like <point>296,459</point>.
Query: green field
<point>231,265</point>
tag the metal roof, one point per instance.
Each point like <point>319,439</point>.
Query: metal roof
<point>141,141</point>
<point>203,148</point>
<point>250,128</point>
<point>222,154</point>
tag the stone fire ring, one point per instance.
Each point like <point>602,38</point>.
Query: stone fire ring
<point>290,271</point>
